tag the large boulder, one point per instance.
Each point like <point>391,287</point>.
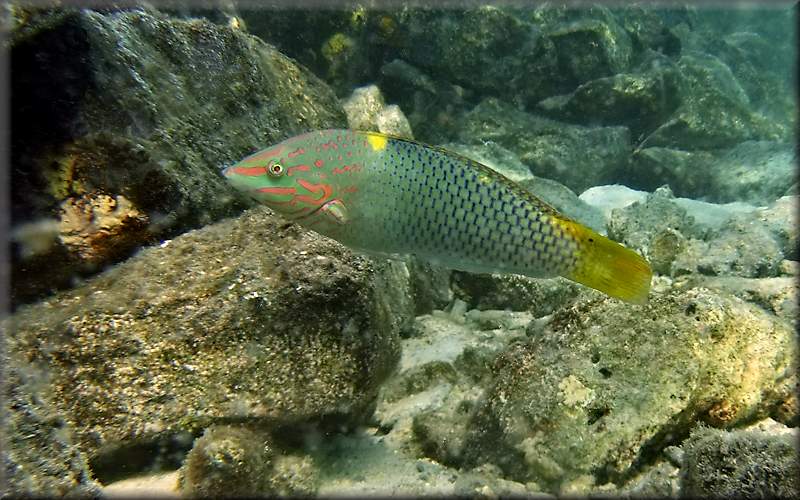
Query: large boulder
<point>604,388</point>
<point>247,320</point>
<point>577,156</point>
<point>122,121</point>
<point>641,101</point>
<point>715,110</point>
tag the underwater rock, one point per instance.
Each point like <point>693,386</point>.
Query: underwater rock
<point>687,173</point>
<point>762,67</point>
<point>607,198</point>
<point>731,240</point>
<point>777,295</point>
<point>367,110</point>
<point>101,228</point>
<point>236,461</point>
<point>744,246</point>
<point>486,481</point>
<point>638,224</point>
<point>756,172</point>
<point>639,101</point>
<point>156,485</point>
<point>710,215</point>
<point>40,459</point>
<point>288,30</point>
<point>513,292</point>
<point>756,44</point>
<point>497,51</point>
<point>578,157</point>
<point>399,74</point>
<point>253,319</point>
<point>592,47</point>
<point>462,45</point>
<point>568,47</point>
<point>442,373</point>
<point>607,386</point>
<point>715,111</point>
<point>133,113</point>
<point>434,108</point>
<point>227,461</point>
<point>430,286</point>
<point>649,30</point>
<point>495,156</point>
<point>740,463</point>
<point>782,220</point>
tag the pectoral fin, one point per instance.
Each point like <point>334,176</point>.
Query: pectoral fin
<point>335,212</point>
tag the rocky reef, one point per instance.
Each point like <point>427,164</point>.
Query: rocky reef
<point>123,145</point>
<point>169,338</point>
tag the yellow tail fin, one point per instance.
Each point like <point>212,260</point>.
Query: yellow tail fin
<point>607,266</point>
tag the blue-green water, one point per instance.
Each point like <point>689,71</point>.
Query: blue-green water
<point>166,334</point>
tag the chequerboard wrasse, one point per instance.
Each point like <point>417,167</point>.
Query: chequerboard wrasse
<point>394,197</point>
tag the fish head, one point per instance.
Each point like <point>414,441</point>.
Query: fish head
<point>282,177</point>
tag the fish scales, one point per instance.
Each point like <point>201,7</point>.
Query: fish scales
<point>389,196</point>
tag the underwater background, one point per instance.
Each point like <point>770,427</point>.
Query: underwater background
<point>166,335</point>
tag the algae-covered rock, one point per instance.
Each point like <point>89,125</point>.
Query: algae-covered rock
<point>740,241</point>
<point>514,292</point>
<point>142,109</point>
<point>443,371</point>
<point>237,461</point>
<point>39,455</point>
<point>782,219</point>
<point>757,172</point>
<point>740,463</point>
<point>605,387</point>
<point>227,461</point>
<point>569,47</point>
<point>640,101</point>
<point>251,319</point>
<point>744,246</point>
<point>640,223</point>
<point>715,111</point>
<point>367,110</point>
<point>578,157</point>
<point>462,45</point>
<point>687,173</point>
<point>757,45</point>
<point>434,107</point>
<point>777,295</point>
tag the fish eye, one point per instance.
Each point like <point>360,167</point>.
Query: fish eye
<point>275,170</point>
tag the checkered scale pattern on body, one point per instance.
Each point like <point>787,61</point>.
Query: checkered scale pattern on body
<point>451,209</point>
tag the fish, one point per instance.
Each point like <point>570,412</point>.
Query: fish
<point>392,197</point>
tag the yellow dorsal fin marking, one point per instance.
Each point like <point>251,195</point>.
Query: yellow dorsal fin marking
<point>377,141</point>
